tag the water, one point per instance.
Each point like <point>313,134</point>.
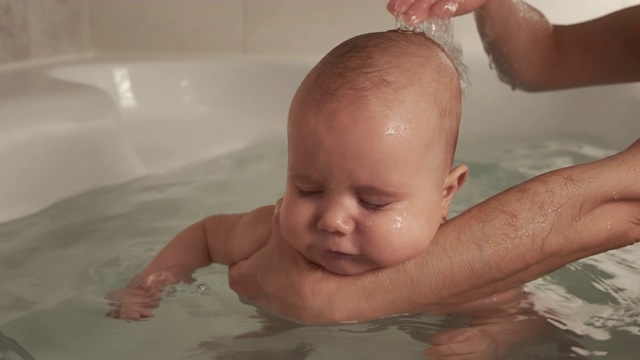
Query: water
<point>441,31</point>
<point>56,267</point>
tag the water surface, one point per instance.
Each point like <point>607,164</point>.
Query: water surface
<point>57,265</point>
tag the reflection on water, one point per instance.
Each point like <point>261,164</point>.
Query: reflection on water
<point>56,267</point>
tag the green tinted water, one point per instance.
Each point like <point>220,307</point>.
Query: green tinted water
<point>57,265</point>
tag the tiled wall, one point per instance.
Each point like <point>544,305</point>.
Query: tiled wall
<point>290,27</point>
<point>167,26</point>
<point>239,26</point>
<point>37,29</point>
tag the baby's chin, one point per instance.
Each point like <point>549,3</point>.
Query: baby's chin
<point>343,264</point>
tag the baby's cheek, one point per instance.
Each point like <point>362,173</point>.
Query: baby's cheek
<point>410,236</point>
<point>405,225</point>
<point>287,224</point>
<point>294,219</point>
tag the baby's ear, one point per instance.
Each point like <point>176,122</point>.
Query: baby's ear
<point>452,183</point>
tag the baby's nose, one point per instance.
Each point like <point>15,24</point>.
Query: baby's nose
<point>336,218</point>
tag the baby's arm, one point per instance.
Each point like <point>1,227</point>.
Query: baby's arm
<point>531,54</point>
<point>222,239</point>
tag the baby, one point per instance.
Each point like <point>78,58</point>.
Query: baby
<point>372,132</point>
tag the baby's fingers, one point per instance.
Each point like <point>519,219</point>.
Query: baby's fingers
<point>126,312</point>
<point>132,304</point>
<point>133,296</point>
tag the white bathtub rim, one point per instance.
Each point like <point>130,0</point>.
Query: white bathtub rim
<point>134,165</point>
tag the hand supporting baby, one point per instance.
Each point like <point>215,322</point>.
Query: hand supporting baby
<point>247,276</point>
<point>462,344</point>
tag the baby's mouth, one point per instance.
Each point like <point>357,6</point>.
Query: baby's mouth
<point>340,255</point>
<point>340,263</point>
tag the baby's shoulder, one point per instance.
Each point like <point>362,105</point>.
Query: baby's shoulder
<point>252,232</point>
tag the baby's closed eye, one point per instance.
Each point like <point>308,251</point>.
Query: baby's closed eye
<point>308,191</point>
<point>373,205</point>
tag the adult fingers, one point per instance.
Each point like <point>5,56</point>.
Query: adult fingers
<point>414,12</point>
<point>418,12</point>
<point>465,343</point>
<point>449,8</point>
<point>398,7</point>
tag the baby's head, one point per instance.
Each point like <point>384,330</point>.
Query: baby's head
<point>372,133</point>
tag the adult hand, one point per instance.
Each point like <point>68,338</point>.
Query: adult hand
<point>413,12</point>
<point>462,344</point>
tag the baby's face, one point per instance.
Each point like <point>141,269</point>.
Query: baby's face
<point>364,183</point>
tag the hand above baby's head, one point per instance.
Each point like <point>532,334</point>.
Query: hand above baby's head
<point>413,12</point>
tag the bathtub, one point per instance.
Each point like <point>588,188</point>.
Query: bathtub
<point>71,127</point>
<point>86,126</point>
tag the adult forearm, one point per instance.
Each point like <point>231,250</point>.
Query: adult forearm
<point>519,42</point>
<point>535,228</point>
<point>531,54</point>
<point>514,237</point>
<point>605,50</point>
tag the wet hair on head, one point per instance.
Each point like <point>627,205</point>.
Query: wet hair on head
<point>387,63</point>
<point>366,61</point>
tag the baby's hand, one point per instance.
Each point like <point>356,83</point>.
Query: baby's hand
<point>132,303</point>
<point>138,300</point>
<point>462,344</point>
